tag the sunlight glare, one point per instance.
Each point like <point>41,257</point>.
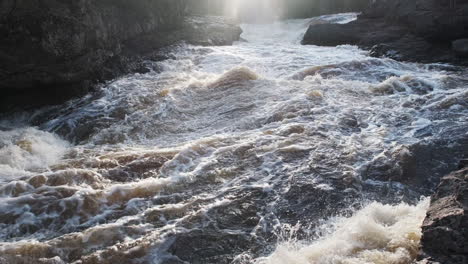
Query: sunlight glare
<point>259,10</point>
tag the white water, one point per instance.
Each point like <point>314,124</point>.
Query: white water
<point>236,141</point>
<point>24,151</point>
<point>376,234</point>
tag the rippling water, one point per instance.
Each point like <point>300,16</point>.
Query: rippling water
<point>261,152</point>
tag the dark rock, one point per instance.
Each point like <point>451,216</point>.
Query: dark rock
<point>419,30</point>
<point>51,51</point>
<point>463,164</point>
<point>445,229</point>
<point>420,165</point>
<point>460,47</point>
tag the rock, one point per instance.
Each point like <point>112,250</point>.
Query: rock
<point>460,47</point>
<point>463,164</point>
<point>420,30</point>
<point>445,229</point>
<point>332,34</point>
<point>51,51</point>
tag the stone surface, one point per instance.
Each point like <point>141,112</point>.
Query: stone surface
<point>53,50</point>
<point>419,30</point>
<point>445,229</point>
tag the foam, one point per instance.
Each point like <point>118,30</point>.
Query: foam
<point>28,149</point>
<point>376,234</point>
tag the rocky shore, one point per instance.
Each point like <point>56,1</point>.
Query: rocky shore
<point>445,230</point>
<point>51,51</point>
<point>421,31</point>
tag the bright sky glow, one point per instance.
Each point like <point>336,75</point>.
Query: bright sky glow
<point>261,9</point>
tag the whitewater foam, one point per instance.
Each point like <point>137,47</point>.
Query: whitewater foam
<point>378,233</point>
<point>28,149</point>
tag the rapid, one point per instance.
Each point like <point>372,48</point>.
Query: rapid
<point>266,151</point>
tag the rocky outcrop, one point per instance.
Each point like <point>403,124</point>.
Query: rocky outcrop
<point>445,229</point>
<point>420,30</point>
<point>53,50</point>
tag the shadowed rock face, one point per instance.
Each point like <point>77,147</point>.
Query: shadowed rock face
<point>51,51</point>
<point>59,48</point>
<point>419,30</point>
<point>445,229</point>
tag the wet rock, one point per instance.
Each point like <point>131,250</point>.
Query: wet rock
<point>420,165</point>
<point>208,246</point>
<point>460,47</point>
<point>404,30</point>
<point>445,229</point>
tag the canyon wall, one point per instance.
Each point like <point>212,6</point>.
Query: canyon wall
<point>51,50</point>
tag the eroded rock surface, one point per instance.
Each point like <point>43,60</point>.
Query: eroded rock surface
<point>405,30</point>
<point>51,51</point>
<point>445,230</point>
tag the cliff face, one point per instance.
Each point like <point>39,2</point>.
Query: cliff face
<point>420,30</point>
<point>53,49</point>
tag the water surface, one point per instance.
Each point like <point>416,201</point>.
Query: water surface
<point>261,152</point>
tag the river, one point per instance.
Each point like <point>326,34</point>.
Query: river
<point>266,151</point>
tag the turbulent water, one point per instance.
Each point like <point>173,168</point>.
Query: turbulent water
<point>261,152</point>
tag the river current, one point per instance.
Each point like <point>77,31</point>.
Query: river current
<point>263,152</point>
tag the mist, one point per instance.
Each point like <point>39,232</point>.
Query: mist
<point>268,10</point>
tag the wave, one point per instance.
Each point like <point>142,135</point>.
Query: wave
<point>378,233</point>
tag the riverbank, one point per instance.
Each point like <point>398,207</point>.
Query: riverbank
<point>54,51</point>
<point>424,31</point>
<point>445,229</point>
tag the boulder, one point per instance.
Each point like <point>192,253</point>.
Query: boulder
<point>445,229</point>
<point>420,30</point>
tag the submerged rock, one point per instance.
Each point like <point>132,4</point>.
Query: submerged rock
<point>405,30</point>
<point>445,230</point>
